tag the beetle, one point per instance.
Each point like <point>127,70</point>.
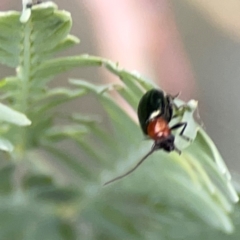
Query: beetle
<point>29,5</point>
<point>155,111</point>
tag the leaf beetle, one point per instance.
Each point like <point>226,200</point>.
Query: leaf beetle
<point>155,111</point>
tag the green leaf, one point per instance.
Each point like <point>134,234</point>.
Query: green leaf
<point>6,145</point>
<point>12,116</point>
<point>54,67</point>
<point>60,195</point>
<point>37,181</point>
<point>10,37</point>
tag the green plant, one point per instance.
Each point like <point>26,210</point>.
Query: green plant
<point>51,191</point>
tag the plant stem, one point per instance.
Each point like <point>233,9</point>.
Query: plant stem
<point>24,75</point>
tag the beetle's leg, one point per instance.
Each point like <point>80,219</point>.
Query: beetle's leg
<point>178,125</point>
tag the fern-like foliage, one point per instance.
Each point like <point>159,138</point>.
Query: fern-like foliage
<point>51,191</point>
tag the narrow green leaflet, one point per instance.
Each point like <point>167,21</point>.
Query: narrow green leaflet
<point>9,115</point>
<point>6,145</point>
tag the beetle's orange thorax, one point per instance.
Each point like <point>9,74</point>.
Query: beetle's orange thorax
<point>158,128</point>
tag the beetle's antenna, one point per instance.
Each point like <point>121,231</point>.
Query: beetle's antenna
<point>177,150</point>
<point>175,96</point>
<point>154,147</point>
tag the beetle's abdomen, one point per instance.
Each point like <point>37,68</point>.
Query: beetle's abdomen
<point>158,128</point>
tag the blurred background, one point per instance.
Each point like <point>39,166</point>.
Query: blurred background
<point>192,47</point>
